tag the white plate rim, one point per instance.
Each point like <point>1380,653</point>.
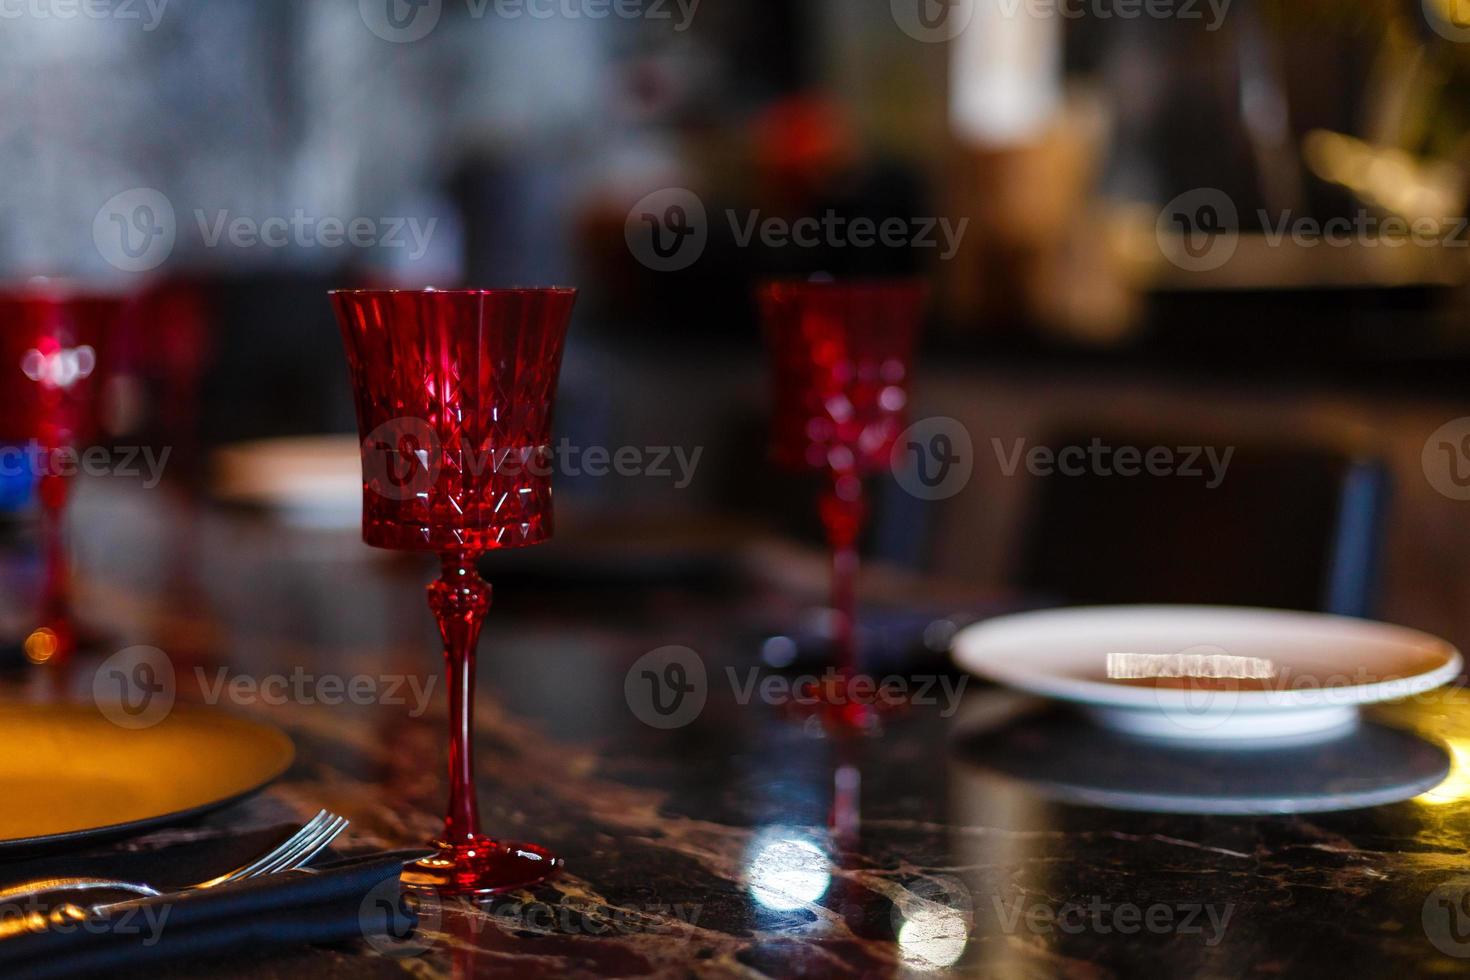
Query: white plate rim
<point>964,651</point>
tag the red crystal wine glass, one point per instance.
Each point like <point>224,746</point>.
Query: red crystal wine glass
<point>48,357</point>
<point>841,356</point>
<point>454,394</point>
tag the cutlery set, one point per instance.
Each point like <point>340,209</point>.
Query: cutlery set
<point>293,854</point>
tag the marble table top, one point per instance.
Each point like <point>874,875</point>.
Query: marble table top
<point>711,831</point>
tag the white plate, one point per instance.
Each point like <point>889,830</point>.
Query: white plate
<point>309,481</point>
<point>1208,673</point>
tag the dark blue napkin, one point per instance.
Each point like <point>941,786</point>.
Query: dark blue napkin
<point>348,899</point>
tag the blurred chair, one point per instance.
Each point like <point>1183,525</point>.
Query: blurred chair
<point>1291,529</point>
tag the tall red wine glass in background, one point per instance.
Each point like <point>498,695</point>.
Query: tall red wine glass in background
<point>454,394</point>
<point>48,360</point>
<point>841,356</point>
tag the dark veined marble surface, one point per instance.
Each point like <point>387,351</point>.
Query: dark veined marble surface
<point>976,835</point>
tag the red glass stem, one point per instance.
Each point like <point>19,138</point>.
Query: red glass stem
<point>843,512</point>
<point>56,586</point>
<point>846,818</point>
<point>460,598</point>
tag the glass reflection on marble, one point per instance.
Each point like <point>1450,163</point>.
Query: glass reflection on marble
<point>786,869</point>
<point>932,919</point>
<point>933,937</point>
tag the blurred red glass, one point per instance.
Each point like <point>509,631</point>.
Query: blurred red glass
<point>50,337</point>
<point>454,394</point>
<point>166,346</point>
<point>841,355</point>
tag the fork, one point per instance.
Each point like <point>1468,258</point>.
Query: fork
<point>292,853</point>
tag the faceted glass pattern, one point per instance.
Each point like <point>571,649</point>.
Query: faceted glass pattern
<point>454,397</point>
<point>840,355</point>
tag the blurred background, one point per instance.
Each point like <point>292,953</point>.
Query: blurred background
<point>1235,226</point>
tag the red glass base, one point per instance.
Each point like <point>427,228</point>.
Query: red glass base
<point>483,866</point>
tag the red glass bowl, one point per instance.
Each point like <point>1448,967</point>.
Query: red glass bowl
<point>841,357</point>
<point>454,394</point>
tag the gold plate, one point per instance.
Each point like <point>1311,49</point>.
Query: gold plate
<point>69,773</point>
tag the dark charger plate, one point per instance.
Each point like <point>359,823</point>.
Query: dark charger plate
<point>1062,756</point>
<point>70,773</point>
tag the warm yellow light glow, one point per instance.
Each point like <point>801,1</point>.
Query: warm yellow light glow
<point>40,646</point>
<point>1386,176</point>
<point>1456,785</point>
<point>1456,12</point>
